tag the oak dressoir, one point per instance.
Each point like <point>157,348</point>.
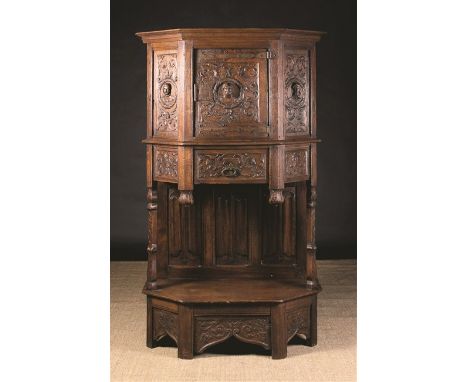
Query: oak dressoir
<point>231,156</point>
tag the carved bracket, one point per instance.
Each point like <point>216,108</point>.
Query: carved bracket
<point>185,196</point>
<point>276,197</point>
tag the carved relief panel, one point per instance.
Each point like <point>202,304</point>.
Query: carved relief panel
<point>296,92</point>
<point>165,93</point>
<point>210,331</point>
<point>165,162</point>
<point>298,323</point>
<point>231,92</point>
<point>296,165</point>
<point>165,324</point>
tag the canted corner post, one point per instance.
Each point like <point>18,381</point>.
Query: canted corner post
<point>185,121</point>
<point>276,183</point>
<point>311,265</point>
<point>279,338</point>
<point>149,325</point>
<point>312,339</point>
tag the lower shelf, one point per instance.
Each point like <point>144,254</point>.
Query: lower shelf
<point>266,317</point>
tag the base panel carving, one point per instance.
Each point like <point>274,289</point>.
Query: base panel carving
<point>197,327</point>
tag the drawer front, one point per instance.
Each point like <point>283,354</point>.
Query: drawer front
<point>231,166</point>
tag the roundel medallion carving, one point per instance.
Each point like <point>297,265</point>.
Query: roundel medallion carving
<point>168,93</point>
<point>229,93</point>
<point>295,96</point>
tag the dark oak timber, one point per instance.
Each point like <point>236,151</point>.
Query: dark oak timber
<point>231,158</point>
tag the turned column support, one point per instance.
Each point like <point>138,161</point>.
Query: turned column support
<point>311,265</point>
<point>152,207</point>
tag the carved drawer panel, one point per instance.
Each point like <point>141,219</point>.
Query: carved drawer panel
<point>296,163</point>
<point>165,162</point>
<point>231,166</point>
<point>231,92</point>
<point>213,330</point>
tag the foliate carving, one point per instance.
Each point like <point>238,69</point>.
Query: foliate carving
<point>166,92</point>
<point>165,323</point>
<point>296,164</point>
<point>298,323</point>
<point>165,163</point>
<point>227,89</point>
<point>296,92</point>
<point>209,332</point>
<point>231,165</point>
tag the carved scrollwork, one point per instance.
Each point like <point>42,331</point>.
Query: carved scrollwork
<point>298,323</point>
<point>209,332</point>
<point>216,165</point>
<point>296,92</point>
<point>166,163</point>
<point>296,164</point>
<point>166,92</point>
<point>165,323</point>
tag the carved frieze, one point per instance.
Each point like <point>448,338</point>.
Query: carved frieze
<point>165,323</point>
<point>165,92</point>
<point>298,323</point>
<point>231,165</point>
<point>165,163</point>
<point>296,163</point>
<point>296,92</point>
<point>209,331</point>
<point>227,90</point>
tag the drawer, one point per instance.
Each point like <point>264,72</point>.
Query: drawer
<point>231,166</point>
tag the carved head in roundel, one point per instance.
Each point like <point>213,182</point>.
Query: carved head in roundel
<point>228,93</point>
<point>166,89</point>
<point>167,94</point>
<point>295,92</point>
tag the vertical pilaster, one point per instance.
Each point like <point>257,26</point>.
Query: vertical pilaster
<point>185,91</point>
<point>276,89</point>
<point>313,91</point>
<point>185,170</point>
<point>149,91</point>
<point>276,182</point>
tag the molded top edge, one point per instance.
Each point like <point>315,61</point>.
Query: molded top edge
<point>189,33</point>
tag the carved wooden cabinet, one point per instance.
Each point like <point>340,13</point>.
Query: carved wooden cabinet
<point>231,156</point>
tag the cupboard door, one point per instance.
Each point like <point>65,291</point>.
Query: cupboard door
<point>231,92</point>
